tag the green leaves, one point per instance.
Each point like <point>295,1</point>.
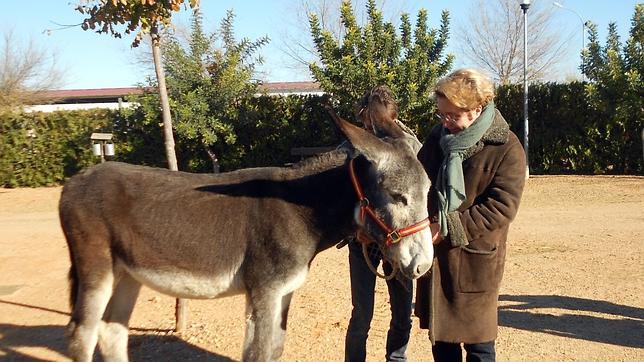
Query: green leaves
<point>149,16</point>
<point>375,53</point>
<point>616,81</point>
<point>42,149</point>
<point>207,84</point>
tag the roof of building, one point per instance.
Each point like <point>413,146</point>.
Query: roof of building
<point>102,93</point>
<point>93,93</point>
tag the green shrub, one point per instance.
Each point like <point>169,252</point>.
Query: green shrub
<point>567,136</point>
<point>42,149</point>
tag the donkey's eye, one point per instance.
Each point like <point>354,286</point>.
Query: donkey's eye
<point>399,198</point>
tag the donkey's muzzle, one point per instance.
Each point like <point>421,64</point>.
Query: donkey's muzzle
<point>415,271</point>
<point>421,269</point>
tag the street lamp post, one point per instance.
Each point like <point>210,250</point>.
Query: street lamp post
<point>525,4</point>
<point>583,35</point>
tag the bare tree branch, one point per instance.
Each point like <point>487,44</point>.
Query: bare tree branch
<point>492,39</point>
<point>26,71</point>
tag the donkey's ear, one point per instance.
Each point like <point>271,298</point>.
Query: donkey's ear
<point>372,147</point>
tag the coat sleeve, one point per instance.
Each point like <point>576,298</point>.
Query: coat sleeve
<point>497,206</point>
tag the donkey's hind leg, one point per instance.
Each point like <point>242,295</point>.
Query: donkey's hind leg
<point>91,301</point>
<point>113,334</point>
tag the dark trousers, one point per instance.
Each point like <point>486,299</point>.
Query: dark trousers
<point>452,352</point>
<point>363,283</point>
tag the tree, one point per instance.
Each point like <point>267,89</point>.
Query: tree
<point>149,17</point>
<point>207,84</point>
<point>615,83</point>
<point>296,43</point>
<point>492,39</point>
<point>26,71</point>
<point>409,62</point>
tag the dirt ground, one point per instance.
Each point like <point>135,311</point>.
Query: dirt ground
<point>573,288</point>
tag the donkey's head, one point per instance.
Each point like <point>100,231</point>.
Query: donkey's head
<point>393,187</point>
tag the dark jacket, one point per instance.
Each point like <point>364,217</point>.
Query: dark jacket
<point>457,299</point>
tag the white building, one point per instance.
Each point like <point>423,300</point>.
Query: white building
<point>114,98</point>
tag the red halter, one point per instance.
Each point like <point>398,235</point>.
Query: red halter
<point>393,236</point>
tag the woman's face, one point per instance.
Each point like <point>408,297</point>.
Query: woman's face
<point>454,118</point>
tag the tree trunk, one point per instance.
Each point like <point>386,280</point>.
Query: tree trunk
<point>165,108</point>
<point>181,305</point>
<point>213,159</point>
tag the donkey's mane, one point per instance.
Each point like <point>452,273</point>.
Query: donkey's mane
<point>321,162</point>
<point>304,168</point>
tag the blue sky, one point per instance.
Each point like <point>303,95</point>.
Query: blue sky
<point>93,60</point>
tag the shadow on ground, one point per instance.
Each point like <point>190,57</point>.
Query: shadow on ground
<point>151,345</point>
<point>141,347</point>
<point>622,325</point>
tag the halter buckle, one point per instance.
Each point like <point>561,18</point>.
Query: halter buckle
<point>393,237</point>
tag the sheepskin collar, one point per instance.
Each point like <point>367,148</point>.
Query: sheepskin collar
<point>497,134</point>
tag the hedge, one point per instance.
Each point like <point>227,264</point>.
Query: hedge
<point>571,134</point>
<point>43,149</point>
<point>568,135</point>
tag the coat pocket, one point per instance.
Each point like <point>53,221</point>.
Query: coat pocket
<point>478,270</point>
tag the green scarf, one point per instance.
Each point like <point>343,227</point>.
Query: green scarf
<point>450,184</point>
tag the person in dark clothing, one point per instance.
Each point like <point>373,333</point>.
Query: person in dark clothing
<point>363,280</point>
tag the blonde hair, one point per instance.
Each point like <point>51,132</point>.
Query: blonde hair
<point>466,88</point>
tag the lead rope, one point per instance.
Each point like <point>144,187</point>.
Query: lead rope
<point>373,269</point>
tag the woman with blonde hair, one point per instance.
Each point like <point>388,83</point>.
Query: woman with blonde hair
<point>477,168</point>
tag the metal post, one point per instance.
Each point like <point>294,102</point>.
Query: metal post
<point>583,47</point>
<point>524,6</point>
<point>583,34</point>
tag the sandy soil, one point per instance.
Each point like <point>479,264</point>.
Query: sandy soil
<point>573,288</point>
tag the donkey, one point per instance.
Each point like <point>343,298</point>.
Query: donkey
<point>252,231</point>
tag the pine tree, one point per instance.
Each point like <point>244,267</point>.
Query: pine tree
<point>408,62</point>
<point>615,91</point>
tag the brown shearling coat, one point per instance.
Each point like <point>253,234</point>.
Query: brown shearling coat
<point>457,299</point>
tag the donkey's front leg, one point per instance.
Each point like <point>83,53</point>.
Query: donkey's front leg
<point>262,322</point>
<point>250,329</point>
